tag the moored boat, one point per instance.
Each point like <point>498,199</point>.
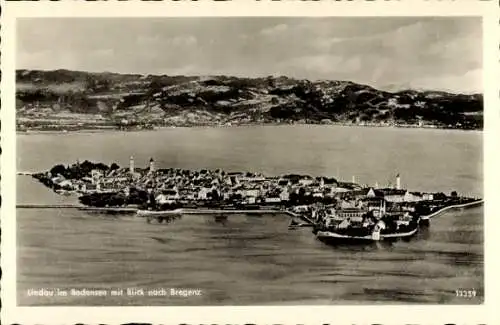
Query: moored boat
<point>154,213</point>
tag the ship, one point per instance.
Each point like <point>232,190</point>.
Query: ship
<point>159,216</point>
<point>146,213</point>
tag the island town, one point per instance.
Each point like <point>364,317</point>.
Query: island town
<point>335,210</point>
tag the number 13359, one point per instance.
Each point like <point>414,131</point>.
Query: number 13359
<point>466,293</point>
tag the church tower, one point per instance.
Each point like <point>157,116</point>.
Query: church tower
<point>151,165</point>
<point>398,182</point>
<point>132,165</point>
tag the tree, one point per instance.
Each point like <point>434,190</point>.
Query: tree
<point>58,169</point>
<point>101,166</point>
<point>114,166</point>
<point>90,83</point>
<point>214,195</point>
<point>93,84</point>
<point>236,197</point>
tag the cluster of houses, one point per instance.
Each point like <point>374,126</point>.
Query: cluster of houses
<point>168,186</point>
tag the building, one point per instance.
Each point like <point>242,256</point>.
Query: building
<point>152,168</point>
<point>403,196</point>
<point>203,193</point>
<point>250,192</point>
<point>132,165</point>
<point>167,197</point>
<point>272,200</point>
<point>285,195</point>
<point>306,181</point>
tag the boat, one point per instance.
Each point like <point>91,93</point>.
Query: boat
<point>158,213</point>
<point>159,216</point>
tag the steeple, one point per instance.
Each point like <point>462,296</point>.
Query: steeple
<point>398,182</point>
<point>151,165</point>
<point>132,165</point>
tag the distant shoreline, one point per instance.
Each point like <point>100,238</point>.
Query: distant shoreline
<point>159,128</point>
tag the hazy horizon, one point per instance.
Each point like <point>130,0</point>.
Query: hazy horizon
<point>387,53</point>
<point>480,92</point>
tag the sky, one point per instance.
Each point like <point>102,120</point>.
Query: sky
<point>392,53</point>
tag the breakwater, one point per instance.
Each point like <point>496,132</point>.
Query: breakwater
<point>452,207</point>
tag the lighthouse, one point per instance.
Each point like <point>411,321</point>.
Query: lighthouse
<point>398,182</point>
<point>151,165</point>
<point>132,166</point>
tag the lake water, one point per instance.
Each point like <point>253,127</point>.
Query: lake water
<point>250,260</point>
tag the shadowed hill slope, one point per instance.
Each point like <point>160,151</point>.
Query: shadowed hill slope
<point>215,100</point>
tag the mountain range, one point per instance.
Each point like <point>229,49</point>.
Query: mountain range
<point>74,99</point>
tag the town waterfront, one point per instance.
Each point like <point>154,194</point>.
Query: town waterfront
<point>248,259</point>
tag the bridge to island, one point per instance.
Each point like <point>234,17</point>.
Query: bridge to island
<point>160,214</point>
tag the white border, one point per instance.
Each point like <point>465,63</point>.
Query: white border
<point>400,314</point>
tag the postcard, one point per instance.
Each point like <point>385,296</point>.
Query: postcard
<point>252,162</point>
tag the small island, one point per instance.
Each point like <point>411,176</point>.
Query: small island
<point>333,208</point>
